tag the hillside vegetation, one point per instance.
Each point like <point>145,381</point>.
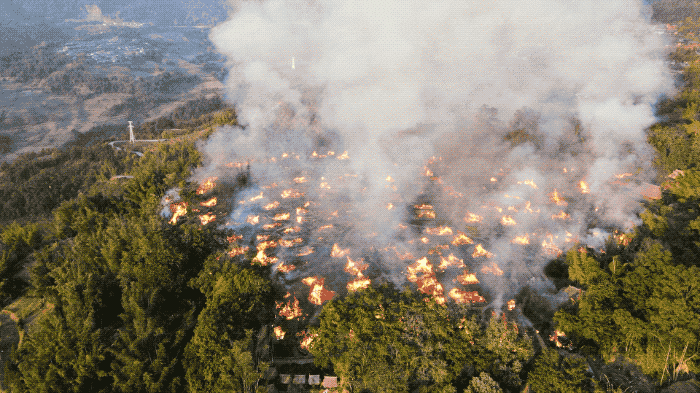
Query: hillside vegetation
<point>108,296</point>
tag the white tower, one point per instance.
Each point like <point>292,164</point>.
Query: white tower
<point>132,139</point>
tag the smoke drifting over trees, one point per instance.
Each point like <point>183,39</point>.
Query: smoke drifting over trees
<point>550,92</point>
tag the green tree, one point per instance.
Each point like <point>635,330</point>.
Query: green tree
<point>483,384</point>
<point>554,373</point>
<point>219,356</point>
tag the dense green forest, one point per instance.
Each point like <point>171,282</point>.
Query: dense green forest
<point>106,296</point>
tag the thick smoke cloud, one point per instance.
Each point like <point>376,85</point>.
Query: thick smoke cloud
<point>486,95</point>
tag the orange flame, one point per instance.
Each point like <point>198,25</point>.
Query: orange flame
<point>343,156</point>
<point>623,175</point>
<point>355,267</point>
<point>511,304</point>
<point>358,284</point>
<point>271,226</point>
<point>467,278</point>
<point>427,172</point>
<point>426,214</point>
<point>428,284</point>
<point>238,251</point>
<point>508,220</point>
<point>493,180</point>
<point>318,294</point>
<point>307,341</point>
<point>291,243</point>
<point>279,333</point>
<point>207,218</point>
<point>179,210</point>
<point>337,252</point>
<point>555,197</point>
<point>549,247</point>
<point>561,215</point>
<point>285,268</point>
<point>323,228</point>
<point>530,183</point>
<point>257,197</point>
<point>460,296</point>
<point>523,240</point>
<point>299,180</point>
<point>461,239</point>
<point>291,309</point>
<point>583,187</point>
<point>440,231</point>
<point>207,186</point>
<point>281,216</point>
<point>273,205</point>
<point>209,203</point>
<point>556,337</point>
<point>263,259</point>
<point>479,251</point>
<point>305,251</point>
<point>622,238</point>
<point>291,193</point>
<point>471,217</point>
<point>253,220</point>
<point>451,260</point>
<point>493,269</point>
<point>389,206</point>
<point>421,266</point>
<point>233,238</point>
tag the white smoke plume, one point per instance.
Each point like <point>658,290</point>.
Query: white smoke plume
<point>502,101</point>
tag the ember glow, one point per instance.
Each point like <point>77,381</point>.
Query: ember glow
<point>493,269</point>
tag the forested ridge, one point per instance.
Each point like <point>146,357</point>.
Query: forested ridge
<point>105,295</point>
